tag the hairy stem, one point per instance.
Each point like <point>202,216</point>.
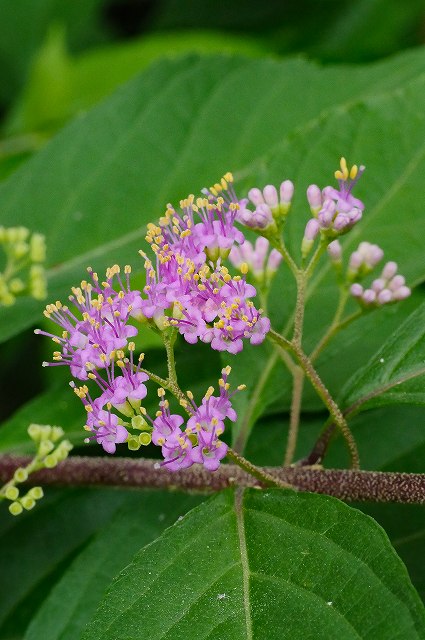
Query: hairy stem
<point>347,485</point>
<point>294,420</point>
<point>322,391</point>
<point>263,476</point>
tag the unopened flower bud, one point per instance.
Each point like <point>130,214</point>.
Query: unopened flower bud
<point>310,234</point>
<point>335,251</point>
<point>384,296</point>
<point>37,247</point>
<point>133,443</point>
<point>256,196</point>
<point>145,438</point>
<point>20,475</point>
<point>11,492</point>
<point>286,192</point>
<point>314,197</point>
<point>34,431</point>
<point>36,493</point>
<point>275,258</point>
<point>356,290</point>
<point>28,503</point>
<point>402,293</point>
<point>15,508</point>
<point>138,422</point>
<point>270,196</point>
<point>389,270</point>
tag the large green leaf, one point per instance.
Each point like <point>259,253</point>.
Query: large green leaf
<point>394,374</point>
<point>73,600</point>
<point>261,565</point>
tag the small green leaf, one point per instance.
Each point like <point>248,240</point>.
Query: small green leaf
<point>264,564</point>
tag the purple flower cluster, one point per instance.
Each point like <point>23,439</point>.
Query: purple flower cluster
<point>97,326</point>
<point>335,211</point>
<point>188,286</point>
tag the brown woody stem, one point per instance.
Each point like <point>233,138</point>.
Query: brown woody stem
<point>347,485</point>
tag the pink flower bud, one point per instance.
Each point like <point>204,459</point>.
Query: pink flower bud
<point>274,261</point>
<point>311,229</point>
<point>270,196</point>
<point>389,270</point>
<point>356,290</point>
<point>314,197</point>
<point>401,293</point>
<point>235,256</point>
<point>378,284</point>
<point>355,261</point>
<point>369,296</point>
<point>396,282</point>
<point>256,196</point>
<point>335,251</point>
<point>384,296</point>
<point>286,192</point>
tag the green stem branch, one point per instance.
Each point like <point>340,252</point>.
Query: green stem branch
<point>294,420</point>
<point>322,392</point>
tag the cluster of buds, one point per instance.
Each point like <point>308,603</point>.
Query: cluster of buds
<point>51,449</point>
<point>389,287</point>
<point>23,273</point>
<point>266,208</point>
<point>256,260</point>
<point>335,211</point>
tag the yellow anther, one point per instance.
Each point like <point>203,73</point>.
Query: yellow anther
<point>209,392</point>
<point>244,268</point>
<point>189,395</point>
<point>161,392</point>
<point>241,387</point>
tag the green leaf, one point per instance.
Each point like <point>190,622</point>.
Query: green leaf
<point>36,544</point>
<point>74,599</point>
<point>394,373</point>
<point>24,25</point>
<point>61,86</point>
<point>295,564</point>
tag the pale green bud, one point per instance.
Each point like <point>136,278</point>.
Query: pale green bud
<point>133,443</point>
<point>38,282</point>
<point>11,492</point>
<point>16,285</point>
<point>27,502</point>
<point>34,431</point>
<point>45,447</point>
<point>57,433</point>
<point>138,422</point>
<point>145,438</point>
<point>37,247</point>
<point>36,493</point>
<point>20,475</point>
<point>15,508</point>
<point>50,461</point>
